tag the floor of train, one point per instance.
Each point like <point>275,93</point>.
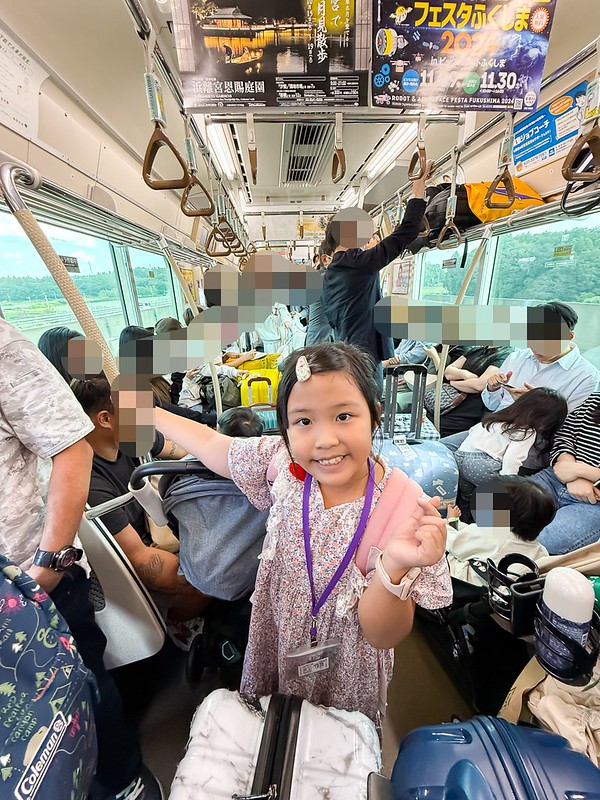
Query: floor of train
<point>160,703</point>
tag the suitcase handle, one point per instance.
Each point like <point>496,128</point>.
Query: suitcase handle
<point>391,395</point>
<point>257,379</point>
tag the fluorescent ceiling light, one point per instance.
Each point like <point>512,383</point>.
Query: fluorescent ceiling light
<point>388,151</point>
<point>219,145</point>
<point>349,197</point>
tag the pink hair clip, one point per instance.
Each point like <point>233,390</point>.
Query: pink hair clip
<point>303,372</point>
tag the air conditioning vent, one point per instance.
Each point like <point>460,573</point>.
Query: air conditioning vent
<point>307,148</point>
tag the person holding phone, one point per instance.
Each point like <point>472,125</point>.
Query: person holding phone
<point>573,479</point>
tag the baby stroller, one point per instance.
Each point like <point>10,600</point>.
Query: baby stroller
<point>221,536</point>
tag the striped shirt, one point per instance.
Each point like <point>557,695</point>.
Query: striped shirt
<point>580,435</point>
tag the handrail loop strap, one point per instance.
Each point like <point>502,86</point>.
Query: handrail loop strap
<point>190,211</point>
<point>263,223</point>
<point>590,133</point>
<point>505,160</point>
<point>252,149</point>
<point>450,226</point>
<point>418,161</point>
<point>338,167</point>
<point>160,139</point>
<point>301,224</point>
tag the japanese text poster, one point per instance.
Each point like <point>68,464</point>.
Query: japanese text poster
<point>258,53</point>
<point>484,55</point>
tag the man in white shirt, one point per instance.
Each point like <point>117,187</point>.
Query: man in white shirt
<point>41,419</point>
<point>552,360</point>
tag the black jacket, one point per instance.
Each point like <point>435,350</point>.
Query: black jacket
<point>351,286</point>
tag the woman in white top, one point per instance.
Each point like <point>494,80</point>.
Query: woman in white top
<point>501,442</point>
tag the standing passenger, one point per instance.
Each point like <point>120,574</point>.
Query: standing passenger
<point>327,480</point>
<point>319,329</point>
<point>41,419</point>
<point>351,286</point>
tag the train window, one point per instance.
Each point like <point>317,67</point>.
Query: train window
<point>29,296</point>
<point>442,276</point>
<point>558,261</point>
<point>154,285</point>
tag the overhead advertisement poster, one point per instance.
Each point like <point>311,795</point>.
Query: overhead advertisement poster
<point>260,53</point>
<point>467,55</point>
<point>549,134</point>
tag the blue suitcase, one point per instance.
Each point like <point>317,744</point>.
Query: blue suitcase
<point>487,758</point>
<point>431,464</point>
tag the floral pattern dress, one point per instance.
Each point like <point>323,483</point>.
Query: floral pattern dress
<point>281,615</point>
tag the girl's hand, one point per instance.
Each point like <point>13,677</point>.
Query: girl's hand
<point>242,373</point>
<point>417,542</point>
<point>582,490</point>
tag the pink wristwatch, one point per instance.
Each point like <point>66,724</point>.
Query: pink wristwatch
<point>402,589</point>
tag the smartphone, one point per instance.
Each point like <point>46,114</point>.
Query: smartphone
<point>506,385</point>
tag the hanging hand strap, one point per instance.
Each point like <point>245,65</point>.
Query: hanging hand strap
<point>504,176</point>
<point>450,227</point>
<point>418,162</point>
<point>194,181</point>
<point>590,133</point>
<point>338,168</point>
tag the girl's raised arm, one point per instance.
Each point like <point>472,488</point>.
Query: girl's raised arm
<point>210,447</point>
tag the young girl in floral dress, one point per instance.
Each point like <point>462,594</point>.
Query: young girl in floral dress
<point>320,628</point>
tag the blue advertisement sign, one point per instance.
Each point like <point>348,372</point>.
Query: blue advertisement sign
<point>548,134</point>
<point>467,55</point>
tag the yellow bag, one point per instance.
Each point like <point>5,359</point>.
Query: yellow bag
<point>260,390</point>
<point>524,196</point>
<point>269,361</point>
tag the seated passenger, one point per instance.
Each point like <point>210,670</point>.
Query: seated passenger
<point>551,360</point>
<point>465,378</point>
<point>55,345</point>
<point>161,388</point>
<point>408,351</point>
<point>111,473</point>
<point>501,443</point>
<point>509,512</point>
<point>241,421</point>
<point>573,481</point>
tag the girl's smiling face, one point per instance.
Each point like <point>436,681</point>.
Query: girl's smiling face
<point>330,429</point>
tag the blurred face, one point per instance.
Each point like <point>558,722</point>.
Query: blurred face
<point>548,348</point>
<point>330,429</point>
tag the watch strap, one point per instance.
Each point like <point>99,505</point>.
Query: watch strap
<point>402,589</point>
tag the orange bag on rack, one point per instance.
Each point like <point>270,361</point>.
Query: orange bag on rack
<point>525,196</point>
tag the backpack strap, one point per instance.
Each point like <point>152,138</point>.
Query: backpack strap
<point>398,501</point>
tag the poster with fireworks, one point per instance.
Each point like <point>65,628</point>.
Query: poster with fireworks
<point>468,55</point>
<point>260,53</point>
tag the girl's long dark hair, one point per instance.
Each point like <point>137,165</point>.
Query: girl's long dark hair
<point>542,410</point>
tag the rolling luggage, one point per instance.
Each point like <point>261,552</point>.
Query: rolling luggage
<point>490,759</point>
<point>265,409</point>
<point>260,394</point>
<point>429,463</point>
<point>283,748</point>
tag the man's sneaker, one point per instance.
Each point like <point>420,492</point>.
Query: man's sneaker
<point>144,787</point>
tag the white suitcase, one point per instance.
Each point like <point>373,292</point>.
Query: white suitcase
<point>287,750</point>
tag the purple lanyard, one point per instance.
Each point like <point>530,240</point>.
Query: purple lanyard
<point>318,604</point>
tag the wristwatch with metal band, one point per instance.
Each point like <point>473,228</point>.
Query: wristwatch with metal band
<point>402,589</point>
<point>58,561</point>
